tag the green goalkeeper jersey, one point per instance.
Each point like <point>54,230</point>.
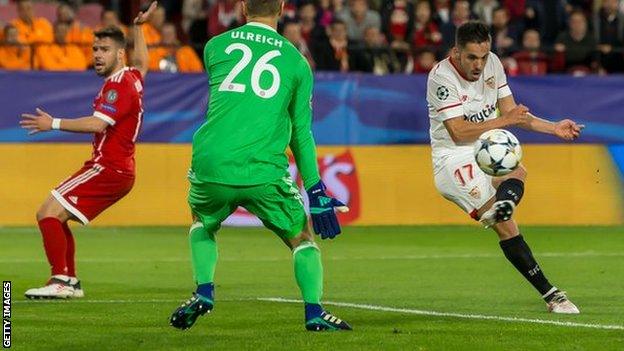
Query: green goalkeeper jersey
<point>260,103</point>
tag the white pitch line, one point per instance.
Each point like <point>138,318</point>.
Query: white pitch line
<point>351,305</point>
<point>454,315</point>
<point>588,254</point>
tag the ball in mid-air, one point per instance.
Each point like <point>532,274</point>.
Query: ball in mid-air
<point>497,152</point>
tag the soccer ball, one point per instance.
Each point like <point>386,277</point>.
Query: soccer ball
<point>497,152</point>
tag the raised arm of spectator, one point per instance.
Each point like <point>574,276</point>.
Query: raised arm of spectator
<point>140,58</point>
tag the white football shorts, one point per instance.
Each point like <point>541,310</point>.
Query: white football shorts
<point>461,181</point>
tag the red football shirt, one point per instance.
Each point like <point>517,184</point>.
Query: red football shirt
<point>119,104</point>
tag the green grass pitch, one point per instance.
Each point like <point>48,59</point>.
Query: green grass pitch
<point>135,277</point>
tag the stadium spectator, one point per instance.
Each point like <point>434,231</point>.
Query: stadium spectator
<point>327,10</point>
<point>13,54</point>
<point>531,60</point>
<point>516,10</point>
<point>109,18</point>
<point>289,13</point>
<point>310,31</point>
<point>151,29</point>
<point>397,22</point>
<point>534,15</point>
<point>78,34</point>
<point>374,55</point>
<point>172,57</point>
<point>332,54</point>
<point>357,18</point>
<point>195,23</point>
<point>425,60</point>
<point>442,11</point>
<point>193,11</point>
<point>60,56</point>
<point>224,15</point>
<point>459,16</point>
<point>426,32</point>
<point>484,10</point>
<point>504,35</point>
<point>609,33</point>
<point>583,5</point>
<point>31,29</point>
<point>293,32</point>
<point>554,21</point>
<point>577,46</point>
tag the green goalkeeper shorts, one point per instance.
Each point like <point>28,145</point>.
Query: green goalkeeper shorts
<point>277,204</point>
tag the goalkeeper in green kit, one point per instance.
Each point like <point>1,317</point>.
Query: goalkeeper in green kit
<point>260,103</point>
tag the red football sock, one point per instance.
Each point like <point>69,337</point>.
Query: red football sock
<point>71,251</point>
<point>55,244</point>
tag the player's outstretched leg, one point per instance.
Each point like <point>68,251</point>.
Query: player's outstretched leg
<point>309,276</point>
<point>517,251</point>
<point>204,257</point>
<point>509,192</point>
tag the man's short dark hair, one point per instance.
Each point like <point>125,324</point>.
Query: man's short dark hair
<point>472,32</point>
<point>263,8</point>
<point>337,21</point>
<point>114,33</point>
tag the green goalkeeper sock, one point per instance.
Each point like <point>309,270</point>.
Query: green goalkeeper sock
<point>309,271</point>
<point>204,253</point>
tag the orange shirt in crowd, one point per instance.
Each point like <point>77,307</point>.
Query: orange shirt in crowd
<point>83,37</point>
<point>151,34</point>
<point>185,58</point>
<point>54,57</point>
<point>40,31</point>
<point>15,57</point>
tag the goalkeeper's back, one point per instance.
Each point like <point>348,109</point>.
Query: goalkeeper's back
<point>257,81</point>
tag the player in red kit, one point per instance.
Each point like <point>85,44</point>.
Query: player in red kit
<point>109,175</point>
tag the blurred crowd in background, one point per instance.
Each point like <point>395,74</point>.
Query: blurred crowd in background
<point>532,37</point>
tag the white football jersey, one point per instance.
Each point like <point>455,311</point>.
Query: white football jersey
<point>449,95</point>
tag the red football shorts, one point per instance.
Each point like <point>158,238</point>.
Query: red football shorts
<point>91,190</point>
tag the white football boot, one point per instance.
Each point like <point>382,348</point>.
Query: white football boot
<point>58,287</point>
<point>75,283</point>
<point>500,211</point>
<point>561,304</point>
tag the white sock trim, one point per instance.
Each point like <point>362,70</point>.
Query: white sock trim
<point>304,245</point>
<point>554,288</point>
<point>195,226</point>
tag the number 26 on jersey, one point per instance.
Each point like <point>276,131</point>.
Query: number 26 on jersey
<point>262,65</point>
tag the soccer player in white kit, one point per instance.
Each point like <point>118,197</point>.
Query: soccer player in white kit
<point>463,94</point>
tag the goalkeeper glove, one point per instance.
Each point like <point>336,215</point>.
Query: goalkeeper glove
<point>324,218</point>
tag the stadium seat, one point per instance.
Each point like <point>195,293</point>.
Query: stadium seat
<point>7,12</point>
<point>45,10</point>
<point>89,14</point>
